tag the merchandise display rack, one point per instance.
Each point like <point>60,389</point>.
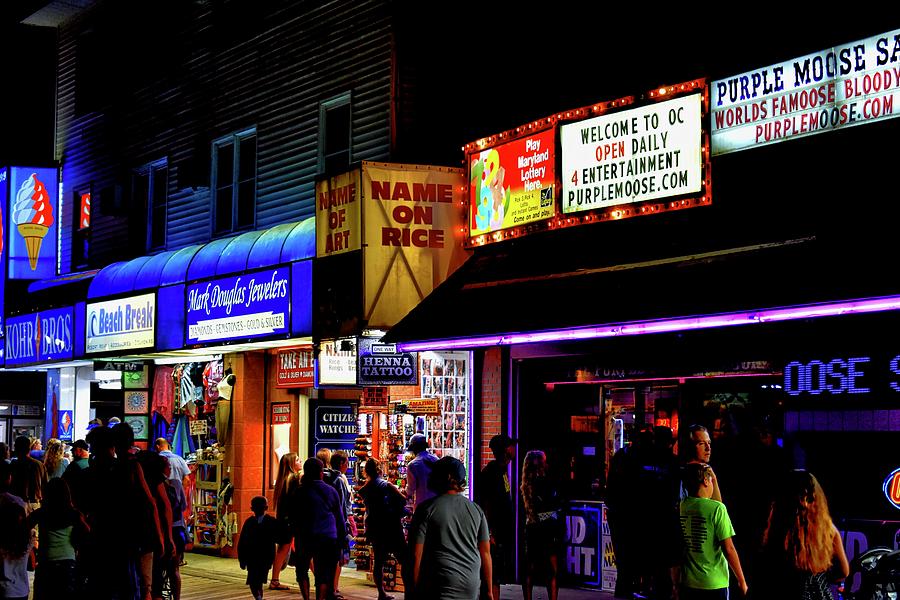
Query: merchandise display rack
<point>208,507</point>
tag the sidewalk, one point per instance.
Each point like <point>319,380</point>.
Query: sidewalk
<point>354,585</point>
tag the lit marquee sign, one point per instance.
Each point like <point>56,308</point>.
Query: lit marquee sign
<point>851,84</point>
<point>646,153</point>
<point>512,184</point>
<point>891,488</point>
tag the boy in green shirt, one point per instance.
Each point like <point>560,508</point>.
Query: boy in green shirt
<point>708,547</point>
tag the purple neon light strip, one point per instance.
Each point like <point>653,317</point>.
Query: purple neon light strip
<point>768,315</point>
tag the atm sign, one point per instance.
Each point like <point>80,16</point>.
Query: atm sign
<point>892,488</point>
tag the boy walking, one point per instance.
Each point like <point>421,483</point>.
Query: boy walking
<point>256,546</point>
<point>708,547</point>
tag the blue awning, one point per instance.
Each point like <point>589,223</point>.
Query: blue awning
<point>252,250</point>
<point>46,284</point>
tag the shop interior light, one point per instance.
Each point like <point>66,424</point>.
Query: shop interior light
<point>187,358</point>
<point>107,375</point>
<point>789,313</point>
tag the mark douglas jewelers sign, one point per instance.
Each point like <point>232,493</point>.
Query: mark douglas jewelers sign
<point>238,308</point>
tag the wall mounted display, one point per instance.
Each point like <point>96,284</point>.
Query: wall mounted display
<point>338,214</point>
<point>140,425</point>
<point>383,364</point>
<point>445,377</point>
<point>242,307</point>
<point>33,204</point>
<point>844,86</point>
<point>137,402</point>
<point>136,379</point>
<point>413,234</point>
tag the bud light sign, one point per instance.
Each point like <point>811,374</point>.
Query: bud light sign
<point>39,337</point>
<point>247,306</point>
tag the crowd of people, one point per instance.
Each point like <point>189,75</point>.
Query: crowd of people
<point>112,527</point>
<point>674,537</point>
<point>452,547</point>
<point>106,524</point>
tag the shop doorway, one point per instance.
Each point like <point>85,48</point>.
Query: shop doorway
<point>565,422</point>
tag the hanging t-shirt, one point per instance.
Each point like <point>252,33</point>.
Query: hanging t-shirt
<point>187,386</point>
<point>705,525</point>
<point>163,393</point>
<point>212,375</point>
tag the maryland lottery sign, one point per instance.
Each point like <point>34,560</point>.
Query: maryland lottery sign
<point>848,85</point>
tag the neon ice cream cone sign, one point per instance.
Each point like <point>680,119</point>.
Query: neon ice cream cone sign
<point>33,216</point>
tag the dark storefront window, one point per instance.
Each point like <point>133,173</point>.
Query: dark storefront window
<point>81,231</point>
<point>234,182</point>
<point>335,134</point>
<point>150,189</point>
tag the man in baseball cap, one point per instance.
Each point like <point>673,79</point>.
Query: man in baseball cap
<point>494,494</point>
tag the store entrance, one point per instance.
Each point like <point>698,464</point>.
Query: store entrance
<point>565,422</point>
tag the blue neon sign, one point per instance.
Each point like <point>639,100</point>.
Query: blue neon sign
<point>242,307</point>
<point>39,337</point>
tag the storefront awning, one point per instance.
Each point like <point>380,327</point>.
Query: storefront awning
<point>252,250</point>
<point>532,285</point>
<point>61,280</point>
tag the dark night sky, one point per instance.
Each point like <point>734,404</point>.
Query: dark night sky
<point>508,62</point>
<point>529,64</point>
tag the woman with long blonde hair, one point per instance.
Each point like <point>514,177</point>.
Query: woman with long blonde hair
<point>54,462</point>
<point>544,525</point>
<point>289,468</point>
<point>802,549</point>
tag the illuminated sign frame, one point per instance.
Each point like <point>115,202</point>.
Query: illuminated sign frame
<point>657,205</point>
<point>839,87</point>
<point>643,208</point>
<point>533,152</point>
<point>640,156</point>
<point>891,488</point>
<point>45,336</point>
<point>121,337</point>
<point>239,308</point>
